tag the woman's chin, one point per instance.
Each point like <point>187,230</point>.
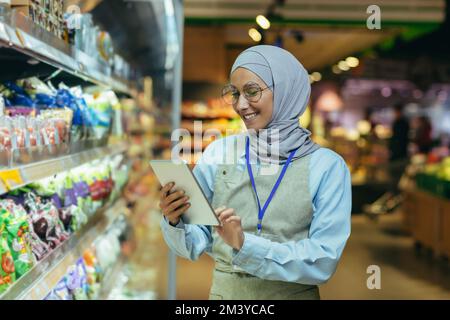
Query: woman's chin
<point>252,126</point>
<point>256,126</point>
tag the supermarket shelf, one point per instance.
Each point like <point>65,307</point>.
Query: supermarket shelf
<point>43,277</point>
<point>23,35</point>
<point>21,175</point>
<point>110,278</point>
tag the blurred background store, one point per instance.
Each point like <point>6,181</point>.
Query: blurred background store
<point>92,90</point>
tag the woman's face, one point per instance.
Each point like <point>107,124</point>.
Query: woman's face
<point>256,115</point>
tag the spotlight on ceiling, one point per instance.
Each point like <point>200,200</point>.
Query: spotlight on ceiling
<point>352,62</point>
<point>343,66</point>
<point>263,22</point>
<point>336,69</point>
<point>255,35</point>
<point>316,76</point>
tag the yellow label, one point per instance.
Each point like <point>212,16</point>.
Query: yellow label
<point>11,178</point>
<point>20,37</point>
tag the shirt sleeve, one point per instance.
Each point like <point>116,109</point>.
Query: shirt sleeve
<point>187,240</point>
<point>313,260</point>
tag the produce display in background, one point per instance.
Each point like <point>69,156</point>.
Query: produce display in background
<point>213,109</point>
<point>435,177</point>
<point>33,113</point>
<point>37,218</point>
<point>214,115</point>
<point>210,119</point>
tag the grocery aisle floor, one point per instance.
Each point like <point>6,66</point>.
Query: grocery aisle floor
<point>405,273</point>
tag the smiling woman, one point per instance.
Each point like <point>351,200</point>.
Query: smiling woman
<point>288,245</point>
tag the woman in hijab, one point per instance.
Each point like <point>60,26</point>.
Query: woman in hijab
<point>284,203</point>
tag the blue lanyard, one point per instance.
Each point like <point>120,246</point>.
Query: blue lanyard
<point>262,211</point>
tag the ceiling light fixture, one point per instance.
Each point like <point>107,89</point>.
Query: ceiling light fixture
<point>255,35</point>
<point>343,66</point>
<point>263,22</point>
<point>352,62</point>
<point>316,76</point>
<point>336,69</point>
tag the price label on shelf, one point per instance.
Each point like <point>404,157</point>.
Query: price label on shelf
<point>22,39</point>
<point>11,178</point>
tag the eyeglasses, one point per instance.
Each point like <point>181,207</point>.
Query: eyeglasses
<point>252,92</point>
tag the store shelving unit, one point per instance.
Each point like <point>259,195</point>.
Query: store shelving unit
<point>110,278</point>
<point>21,175</point>
<point>44,276</point>
<point>22,44</point>
<point>28,50</point>
<point>19,35</point>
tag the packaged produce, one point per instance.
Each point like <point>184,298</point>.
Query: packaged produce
<point>65,99</point>
<point>81,189</point>
<point>19,241</point>
<point>93,273</point>
<point>60,292</point>
<point>88,131</point>
<point>73,218</point>
<point>95,189</point>
<point>18,237</point>
<point>16,96</point>
<point>33,86</point>
<point>7,271</point>
<point>39,248</point>
<point>45,220</point>
<point>76,281</point>
<point>57,124</point>
<point>101,113</point>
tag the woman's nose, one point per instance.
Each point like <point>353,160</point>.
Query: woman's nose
<point>242,103</point>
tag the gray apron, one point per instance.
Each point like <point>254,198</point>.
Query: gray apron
<point>287,218</point>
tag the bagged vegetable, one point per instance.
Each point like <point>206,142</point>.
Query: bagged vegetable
<point>18,236</point>
<point>45,220</point>
<point>7,271</point>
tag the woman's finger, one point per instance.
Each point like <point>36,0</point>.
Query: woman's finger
<point>233,219</point>
<point>178,212</point>
<point>226,214</point>
<point>174,205</point>
<point>173,197</point>
<point>219,210</point>
<point>165,189</point>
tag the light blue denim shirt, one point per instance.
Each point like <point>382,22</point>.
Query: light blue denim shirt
<point>310,261</point>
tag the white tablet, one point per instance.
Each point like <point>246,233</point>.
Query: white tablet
<point>200,211</point>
